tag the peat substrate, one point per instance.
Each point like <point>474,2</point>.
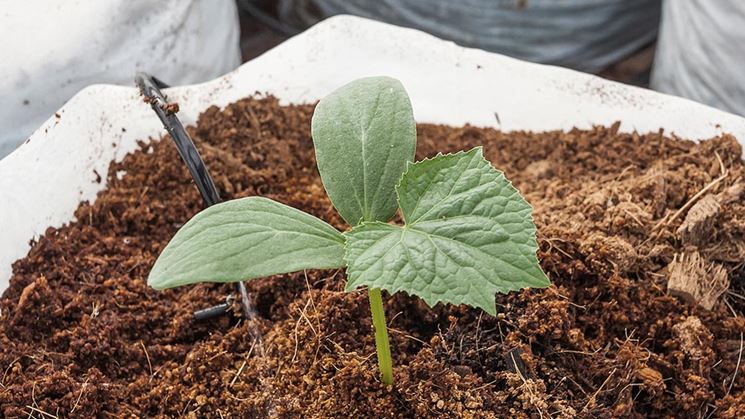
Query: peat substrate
<point>619,216</point>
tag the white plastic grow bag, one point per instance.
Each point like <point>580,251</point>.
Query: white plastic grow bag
<point>43,181</point>
<point>52,49</point>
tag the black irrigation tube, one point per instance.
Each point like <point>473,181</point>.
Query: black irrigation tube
<point>150,88</point>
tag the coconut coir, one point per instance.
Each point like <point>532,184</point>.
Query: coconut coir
<point>81,334</point>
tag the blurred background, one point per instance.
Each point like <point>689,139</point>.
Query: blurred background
<point>614,39</point>
<point>687,48</point>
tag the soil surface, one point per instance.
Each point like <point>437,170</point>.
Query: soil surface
<point>81,334</point>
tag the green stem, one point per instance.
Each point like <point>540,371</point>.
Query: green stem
<point>381,336</point>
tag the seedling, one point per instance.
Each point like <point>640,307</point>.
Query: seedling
<point>467,232</point>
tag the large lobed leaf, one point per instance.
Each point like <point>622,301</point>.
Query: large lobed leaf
<point>468,235</point>
<point>364,134</point>
<point>244,239</point>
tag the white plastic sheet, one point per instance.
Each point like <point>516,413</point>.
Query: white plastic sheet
<point>51,49</point>
<point>700,53</point>
<point>587,35</point>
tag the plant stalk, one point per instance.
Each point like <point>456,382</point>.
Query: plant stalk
<point>382,347</point>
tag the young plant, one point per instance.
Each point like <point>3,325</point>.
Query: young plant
<point>467,232</point>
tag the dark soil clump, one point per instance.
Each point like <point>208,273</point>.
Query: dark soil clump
<point>81,334</point>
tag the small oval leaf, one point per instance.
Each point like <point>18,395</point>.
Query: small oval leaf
<point>364,134</point>
<point>244,239</point>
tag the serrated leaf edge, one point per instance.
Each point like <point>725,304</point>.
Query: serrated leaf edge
<point>479,151</point>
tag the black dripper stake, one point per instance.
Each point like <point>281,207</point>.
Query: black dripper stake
<point>214,311</point>
<point>150,88</point>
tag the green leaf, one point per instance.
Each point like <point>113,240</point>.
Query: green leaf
<point>364,134</point>
<point>244,239</point>
<point>468,235</point>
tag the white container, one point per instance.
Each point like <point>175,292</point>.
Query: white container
<point>43,181</point>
